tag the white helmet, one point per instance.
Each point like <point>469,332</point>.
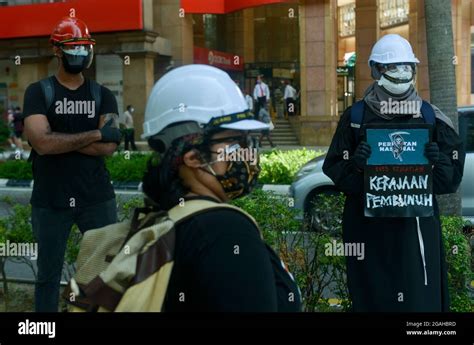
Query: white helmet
<point>201,94</point>
<point>392,48</point>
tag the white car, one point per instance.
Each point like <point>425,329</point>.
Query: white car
<point>310,181</point>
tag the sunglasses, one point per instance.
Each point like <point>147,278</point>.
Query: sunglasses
<point>394,67</point>
<point>77,49</point>
<point>235,145</point>
<point>244,141</point>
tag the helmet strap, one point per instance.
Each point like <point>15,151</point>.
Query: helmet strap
<point>167,136</point>
<point>376,74</point>
<point>398,81</point>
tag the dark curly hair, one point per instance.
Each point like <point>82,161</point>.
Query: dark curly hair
<point>161,181</point>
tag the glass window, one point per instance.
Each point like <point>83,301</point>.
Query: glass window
<point>393,12</point>
<point>276,33</point>
<point>470,134</point>
<point>466,129</point>
<point>347,20</point>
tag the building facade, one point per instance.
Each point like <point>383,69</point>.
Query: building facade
<point>322,46</point>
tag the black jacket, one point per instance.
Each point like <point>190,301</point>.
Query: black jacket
<point>222,264</point>
<point>392,277</point>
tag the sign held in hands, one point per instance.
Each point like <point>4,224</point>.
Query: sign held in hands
<point>398,179</point>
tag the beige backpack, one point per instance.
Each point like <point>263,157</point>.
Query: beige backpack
<point>126,267</point>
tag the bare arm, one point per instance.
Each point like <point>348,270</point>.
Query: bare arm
<point>98,148</point>
<point>45,141</point>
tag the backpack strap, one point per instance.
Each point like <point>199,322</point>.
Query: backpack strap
<point>428,113</point>
<point>47,86</point>
<point>357,116</point>
<point>96,93</point>
<point>194,207</point>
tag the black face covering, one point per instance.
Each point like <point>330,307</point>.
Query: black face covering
<point>75,64</point>
<point>239,179</point>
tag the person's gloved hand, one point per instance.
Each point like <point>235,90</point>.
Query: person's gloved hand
<point>432,152</point>
<point>109,133</point>
<point>361,154</point>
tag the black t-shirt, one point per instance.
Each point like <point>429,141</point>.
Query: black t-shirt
<point>221,264</point>
<point>59,178</point>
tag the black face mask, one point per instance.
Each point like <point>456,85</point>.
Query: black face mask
<point>239,179</point>
<point>75,64</point>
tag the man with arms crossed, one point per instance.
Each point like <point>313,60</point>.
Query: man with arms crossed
<point>65,124</point>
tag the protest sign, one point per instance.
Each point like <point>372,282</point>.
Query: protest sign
<point>398,179</point>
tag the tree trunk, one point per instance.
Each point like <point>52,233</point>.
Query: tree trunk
<point>441,59</point>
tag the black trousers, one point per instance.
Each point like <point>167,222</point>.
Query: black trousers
<point>261,101</point>
<point>51,228</point>
<point>130,139</point>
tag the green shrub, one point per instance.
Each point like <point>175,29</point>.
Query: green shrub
<point>73,245</point>
<point>4,132</point>
<point>15,227</point>
<point>126,207</point>
<point>121,168</point>
<point>124,167</point>
<point>458,258</point>
<point>16,169</point>
<point>280,167</point>
<point>303,251</point>
<point>314,272</point>
<point>272,213</point>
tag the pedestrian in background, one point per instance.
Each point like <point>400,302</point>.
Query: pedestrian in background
<point>18,128</point>
<point>249,100</point>
<point>261,94</point>
<point>11,129</point>
<point>129,136</point>
<point>290,98</point>
<point>279,103</point>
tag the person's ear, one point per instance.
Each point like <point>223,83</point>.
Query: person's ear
<point>192,159</point>
<point>376,74</point>
<point>57,51</point>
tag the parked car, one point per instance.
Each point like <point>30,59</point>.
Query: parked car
<point>311,183</point>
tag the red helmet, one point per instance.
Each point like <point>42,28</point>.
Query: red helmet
<point>71,31</point>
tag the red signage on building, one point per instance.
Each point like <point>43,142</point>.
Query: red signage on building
<point>100,16</point>
<point>218,59</point>
<point>225,6</point>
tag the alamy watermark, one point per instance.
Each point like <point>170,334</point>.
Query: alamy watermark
<point>400,107</point>
<point>66,107</point>
<point>235,153</point>
<point>28,327</point>
<point>335,248</point>
<point>19,249</point>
